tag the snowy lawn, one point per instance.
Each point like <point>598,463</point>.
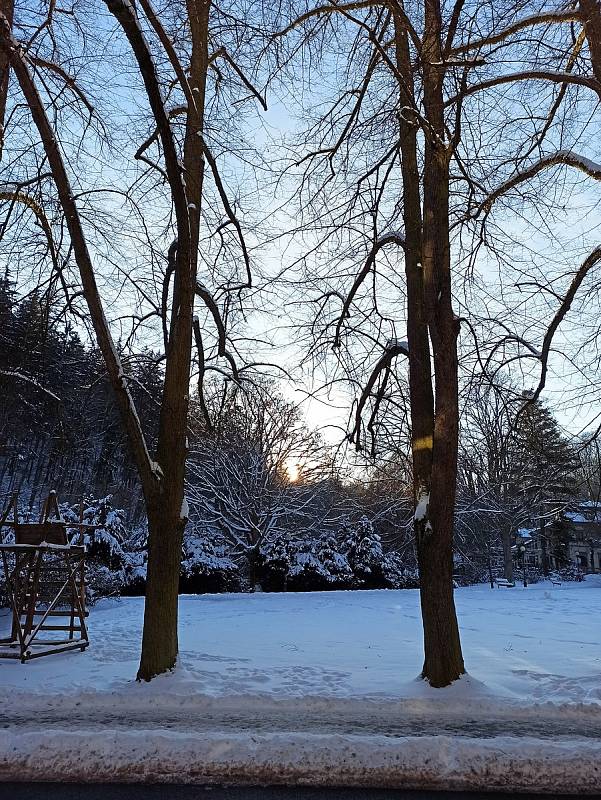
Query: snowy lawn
<point>529,645</point>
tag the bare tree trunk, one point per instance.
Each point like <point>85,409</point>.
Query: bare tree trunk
<point>166,517</point>
<point>159,641</point>
<point>162,480</point>
<point>7,8</point>
<point>507,555</point>
<point>543,548</point>
<point>166,523</point>
<point>591,11</point>
<point>252,569</point>
<point>150,474</point>
<point>430,318</point>
<point>443,661</point>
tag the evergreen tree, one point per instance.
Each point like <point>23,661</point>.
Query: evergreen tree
<point>541,461</point>
<point>363,548</point>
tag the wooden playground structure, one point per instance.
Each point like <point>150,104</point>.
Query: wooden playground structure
<point>45,583</point>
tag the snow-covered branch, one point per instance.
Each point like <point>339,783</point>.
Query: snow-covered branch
<point>561,157</point>
<point>31,381</point>
<point>547,18</point>
<point>552,76</point>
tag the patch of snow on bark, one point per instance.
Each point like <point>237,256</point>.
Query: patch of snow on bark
<point>422,506</point>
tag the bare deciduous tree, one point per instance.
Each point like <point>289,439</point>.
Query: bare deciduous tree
<point>398,166</point>
<point>180,162</point>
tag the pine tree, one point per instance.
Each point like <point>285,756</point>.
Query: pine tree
<point>541,460</point>
<point>364,551</point>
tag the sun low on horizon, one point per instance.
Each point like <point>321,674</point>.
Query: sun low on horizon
<point>292,470</point>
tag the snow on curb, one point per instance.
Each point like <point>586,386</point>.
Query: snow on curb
<point>430,762</point>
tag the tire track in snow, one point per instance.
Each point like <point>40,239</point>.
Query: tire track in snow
<point>311,722</point>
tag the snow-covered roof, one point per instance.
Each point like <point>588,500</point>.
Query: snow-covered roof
<point>525,533</point>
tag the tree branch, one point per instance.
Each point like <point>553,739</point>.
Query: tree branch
<point>560,314</point>
<point>527,22</point>
<point>566,157</point>
<point>389,238</point>
<point>115,371</point>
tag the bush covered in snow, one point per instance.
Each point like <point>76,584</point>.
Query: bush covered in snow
<point>103,543</point>
<point>570,573</point>
<point>206,567</point>
<point>397,575</point>
<point>352,559</point>
<point>316,566</point>
<point>106,543</point>
<point>363,549</point>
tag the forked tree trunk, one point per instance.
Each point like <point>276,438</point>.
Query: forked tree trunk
<point>430,320</point>
<point>166,523</point>
<point>163,480</point>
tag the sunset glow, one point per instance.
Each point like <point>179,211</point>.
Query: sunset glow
<point>292,470</point>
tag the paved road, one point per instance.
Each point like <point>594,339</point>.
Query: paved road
<point>279,721</point>
<point>65,791</point>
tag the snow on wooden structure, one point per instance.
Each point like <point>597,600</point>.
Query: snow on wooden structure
<point>45,583</point>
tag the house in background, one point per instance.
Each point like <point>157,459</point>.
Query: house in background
<point>584,546</point>
<point>563,535</point>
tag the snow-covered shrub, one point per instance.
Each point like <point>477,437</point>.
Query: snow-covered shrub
<point>570,573</point>
<point>534,574</point>
<point>106,556</point>
<point>104,544</point>
<point>102,582</point>
<point>353,559</point>
<point>396,574</point>
<point>307,572</point>
<point>334,562</point>
<point>275,560</point>
<point>317,565</point>
<point>134,584</point>
<point>363,549</point>
<point>304,565</point>
<point>206,568</point>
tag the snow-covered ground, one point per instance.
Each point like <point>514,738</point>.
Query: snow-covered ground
<point>313,677</point>
<point>535,644</point>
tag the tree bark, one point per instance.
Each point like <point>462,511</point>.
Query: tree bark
<point>7,8</point>
<point>543,548</point>
<point>507,555</point>
<point>430,319</point>
<point>443,661</point>
<point>159,640</point>
<point>166,522</point>
<point>591,11</point>
<point>163,480</point>
<point>165,540</point>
